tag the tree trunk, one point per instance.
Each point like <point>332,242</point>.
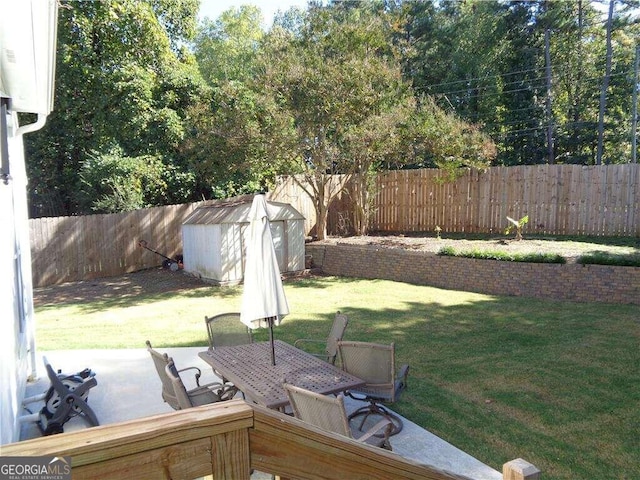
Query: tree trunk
<point>321,205</point>
<point>321,220</point>
<point>605,86</point>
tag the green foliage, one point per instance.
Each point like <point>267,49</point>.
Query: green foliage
<point>372,145</point>
<point>367,121</point>
<point>112,182</point>
<point>449,251</point>
<point>342,87</point>
<point>226,48</point>
<point>445,141</point>
<point>118,82</point>
<point>485,61</point>
<point>606,258</point>
<point>178,17</point>
<point>230,136</point>
<point>349,126</point>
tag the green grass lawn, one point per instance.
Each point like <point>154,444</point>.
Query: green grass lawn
<point>556,383</point>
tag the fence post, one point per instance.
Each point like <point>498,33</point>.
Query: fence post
<point>520,469</point>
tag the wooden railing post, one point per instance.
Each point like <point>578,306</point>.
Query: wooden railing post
<point>520,469</point>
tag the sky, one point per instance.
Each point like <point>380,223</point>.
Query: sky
<point>213,8</point>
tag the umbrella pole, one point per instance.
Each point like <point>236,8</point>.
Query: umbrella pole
<point>273,349</point>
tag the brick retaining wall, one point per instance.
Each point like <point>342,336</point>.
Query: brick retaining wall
<point>575,282</point>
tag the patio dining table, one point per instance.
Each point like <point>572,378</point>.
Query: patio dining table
<point>249,368</point>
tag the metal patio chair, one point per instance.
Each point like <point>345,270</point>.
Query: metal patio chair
<point>336,333</point>
<point>375,364</point>
<point>328,413</point>
<point>226,330</point>
<point>176,394</point>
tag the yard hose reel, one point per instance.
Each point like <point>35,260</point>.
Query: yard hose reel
<point>78,384</point>
<point>66,398</point>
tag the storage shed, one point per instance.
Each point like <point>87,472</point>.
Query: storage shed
<point>214,239</point>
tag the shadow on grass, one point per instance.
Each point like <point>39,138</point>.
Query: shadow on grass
<point>137,289</point>
<point>506,377</point>
<point>499,377</point>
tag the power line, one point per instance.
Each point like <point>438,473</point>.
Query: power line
<point>564,67</point>
<point>528,88</point>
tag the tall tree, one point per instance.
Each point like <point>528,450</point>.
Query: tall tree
<point>226,48</point>
<point>119,84</point>
<point>337,73</point>
<point>586,54</point>
<point>229,129</point>
<point>230,137</point>
<point>339,79</point>
<point>485,61</point>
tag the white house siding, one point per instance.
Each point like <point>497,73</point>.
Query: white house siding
<point>16,298</point>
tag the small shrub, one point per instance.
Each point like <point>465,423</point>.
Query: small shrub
<point>541,258</point>
<point>604,258</point>
<point>518,224</point>
<point>447,252</point>
<point>504,256</point>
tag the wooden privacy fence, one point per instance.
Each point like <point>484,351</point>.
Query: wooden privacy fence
<point>66,249</point>
<point>559,200</point>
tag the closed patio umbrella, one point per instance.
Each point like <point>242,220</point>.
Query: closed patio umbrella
<point>263,299</point>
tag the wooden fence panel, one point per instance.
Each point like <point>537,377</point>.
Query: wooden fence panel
<point>288,191</point>
<point>66,249</point>
<point>633,209</point>
<point>559,200</point>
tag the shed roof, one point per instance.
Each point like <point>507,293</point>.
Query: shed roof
<point>238,212</point>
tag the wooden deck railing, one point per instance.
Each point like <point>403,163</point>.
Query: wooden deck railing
<point>226,441</point>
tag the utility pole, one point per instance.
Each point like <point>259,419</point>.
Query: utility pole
<point>634,109</point>
<point>605,86</point>
<point>547,48</point>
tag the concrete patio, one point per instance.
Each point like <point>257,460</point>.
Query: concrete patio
<point>129,388</point>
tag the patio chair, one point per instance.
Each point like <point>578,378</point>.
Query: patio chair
<point>375,364</point>
<point>202,395</point>
<point>336,333</point>
<point>226,330</point>
<point>328,413</point>
<point>176,394</point>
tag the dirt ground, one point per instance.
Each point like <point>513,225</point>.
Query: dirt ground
<point>159,280</point>
<point>150,281</point>
<point>568,249</point>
